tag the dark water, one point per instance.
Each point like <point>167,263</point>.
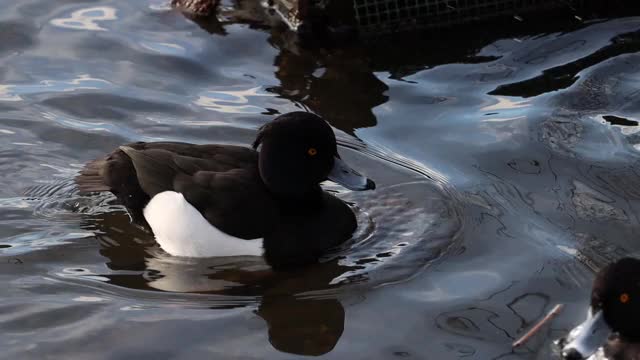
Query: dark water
<point>506,165</point>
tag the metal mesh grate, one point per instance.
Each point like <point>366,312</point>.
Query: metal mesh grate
<point>381,15</point>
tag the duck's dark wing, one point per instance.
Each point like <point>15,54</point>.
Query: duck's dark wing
<point>116,170</point>
<point>235,201</point>
<point>220,181</point>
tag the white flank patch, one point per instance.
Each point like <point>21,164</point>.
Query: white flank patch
<point>181,230</point>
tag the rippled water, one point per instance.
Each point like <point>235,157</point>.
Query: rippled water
<point>506,163</point>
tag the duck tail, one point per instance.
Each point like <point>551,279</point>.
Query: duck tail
<point>91,177</point>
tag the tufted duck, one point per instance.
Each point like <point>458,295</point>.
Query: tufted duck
<point>224,200</point>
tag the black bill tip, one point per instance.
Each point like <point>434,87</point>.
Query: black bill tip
<point>370,185</point>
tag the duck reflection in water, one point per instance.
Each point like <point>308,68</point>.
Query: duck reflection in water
<point>335,82</point>
<point>338,77</point>
<point>297,323</point>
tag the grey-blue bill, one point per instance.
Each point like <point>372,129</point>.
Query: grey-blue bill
<point>344,175</point>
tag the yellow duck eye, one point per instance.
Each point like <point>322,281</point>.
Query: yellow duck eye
<point>624,298</point>
<point>312,151</point>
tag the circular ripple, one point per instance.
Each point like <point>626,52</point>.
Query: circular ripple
<point>406,227</point>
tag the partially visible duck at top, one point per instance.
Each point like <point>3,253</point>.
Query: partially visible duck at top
<point>613,320</point>
<point>205,13</point>
<point>196,7</point>
<point>225,200</point>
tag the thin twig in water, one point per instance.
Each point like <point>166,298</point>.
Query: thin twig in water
<point>534,330</point>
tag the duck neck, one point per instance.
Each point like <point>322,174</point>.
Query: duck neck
<point>301,202</point>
